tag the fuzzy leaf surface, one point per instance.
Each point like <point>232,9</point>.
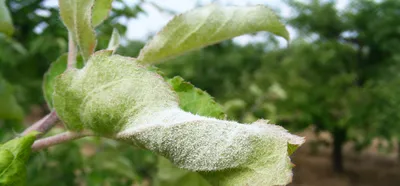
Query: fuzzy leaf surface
<point>56,68</point>
<point>116,96</point>
<point>208,25</point>
<point>195,101</point>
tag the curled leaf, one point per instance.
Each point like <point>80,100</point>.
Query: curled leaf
<point>115,96</point>
<point>196,101</point>
<point>208,25</point>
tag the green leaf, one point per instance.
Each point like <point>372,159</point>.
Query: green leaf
<point>9,107</point>
<point>76,15</point>
<point>115,96</point>
<point>6,159</point>
<point>100,11</point>
<point>56,68</point>
<point>17,46</point>
<point>194,100</point>
<point>114,41</point>
<point>13,156</point>
<point>208,25</point>
<point>119,166</point>
<point>6,25</point>
<point>170,175</point>
<point>292,148</point>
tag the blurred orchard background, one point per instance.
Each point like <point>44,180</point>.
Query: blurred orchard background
<point>337,83</point>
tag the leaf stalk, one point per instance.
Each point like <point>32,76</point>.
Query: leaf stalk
<point>43,125</point>
<point>59,138</point>
<point>71,52</point>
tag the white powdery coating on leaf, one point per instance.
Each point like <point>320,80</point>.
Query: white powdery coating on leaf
<point>206,144</point>
<point>115,96</point>
<point>190,141</point>
<point>109,91</point>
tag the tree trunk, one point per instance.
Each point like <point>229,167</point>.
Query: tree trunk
<point>398,150</point>
<point>339,137</point>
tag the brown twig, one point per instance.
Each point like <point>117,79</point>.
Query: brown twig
<point>44,124</point>
<point>59,138</point>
